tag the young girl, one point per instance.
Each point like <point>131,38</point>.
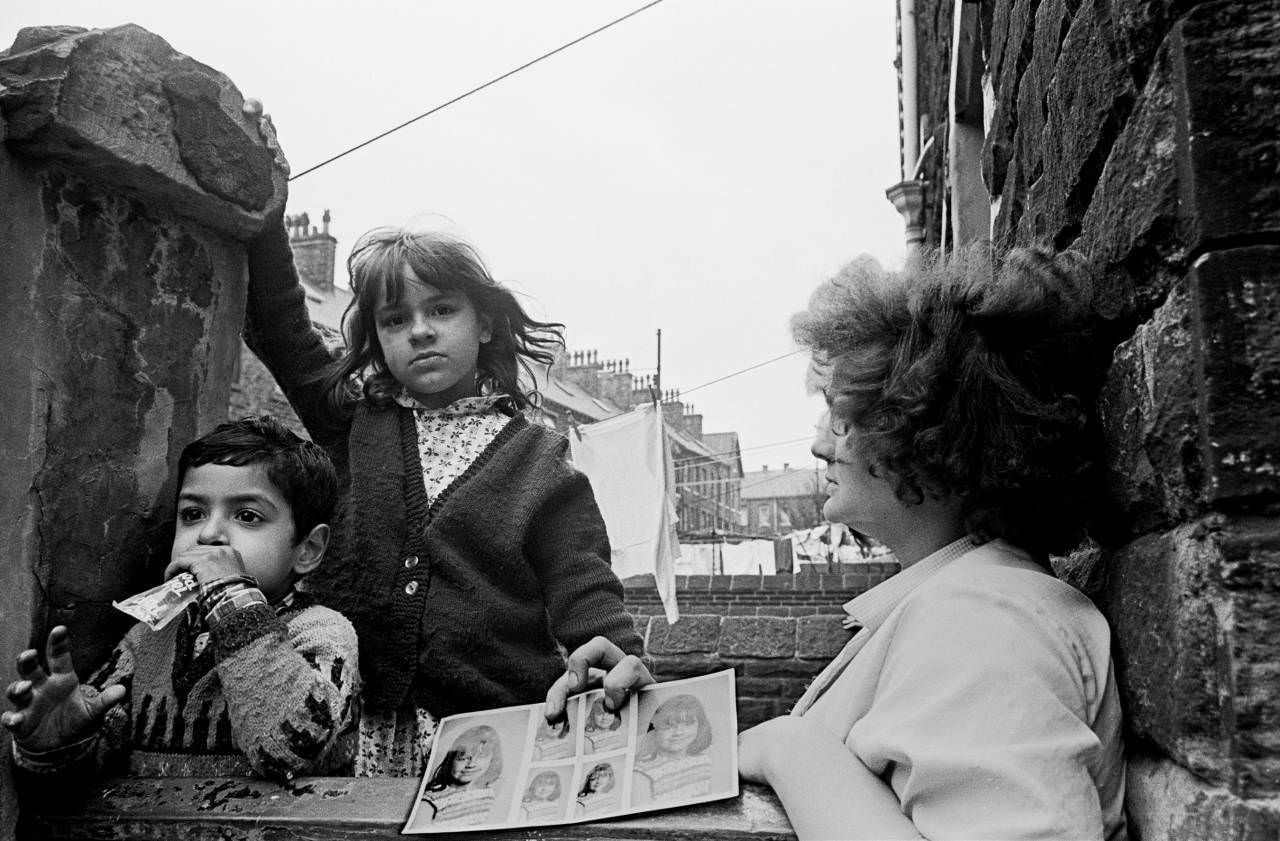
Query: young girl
<point>460,792</point>
<point>554,740</point>
<point>603,728</point>
<point>671,764</point>
<point>597,796</point>
<point>467,547</point>
<point>542,798</point>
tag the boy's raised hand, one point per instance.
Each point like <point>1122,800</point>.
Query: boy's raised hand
<point>207,563</point>
<point>50,711</point>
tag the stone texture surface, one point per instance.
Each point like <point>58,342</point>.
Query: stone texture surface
<point>757,636</point>
<point>1166,802</point>
<point>150,122</point>
<point>820,637</point>
<point>1229,184</point>
<point>700,634</point>
<point>1154,474</point>
<point>1197,623</point>
<point>1236,296</point>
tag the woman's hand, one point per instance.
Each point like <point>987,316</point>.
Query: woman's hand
<point>597,662</point>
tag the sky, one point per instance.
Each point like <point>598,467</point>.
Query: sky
<point>697,169</point>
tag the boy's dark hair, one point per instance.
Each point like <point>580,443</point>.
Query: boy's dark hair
<point>299,469</point>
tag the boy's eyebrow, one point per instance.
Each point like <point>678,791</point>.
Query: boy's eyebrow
<point>237,499</point>
<point>440,295</point>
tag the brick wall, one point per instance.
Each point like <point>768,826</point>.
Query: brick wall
<point>775,631</point>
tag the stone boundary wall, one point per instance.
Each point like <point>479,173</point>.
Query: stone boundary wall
<point>775,631</point>
<point>806,594</point>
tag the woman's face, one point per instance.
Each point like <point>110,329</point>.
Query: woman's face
<point>861,501</point>
<point>471,762</point>
<point>603,718</point>
<point>674,735</point>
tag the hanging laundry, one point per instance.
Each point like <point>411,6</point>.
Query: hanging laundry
<point>628,461</point>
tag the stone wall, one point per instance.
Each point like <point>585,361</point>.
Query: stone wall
<point>1143,133</point>
<point>129,176</point>
<point>775,631</point>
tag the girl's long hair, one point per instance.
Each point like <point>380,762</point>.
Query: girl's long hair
<point>529,796</point>
<point>597,706</point>
<point>377,265</point>
<point>477,738</point>
<point>588,782</point>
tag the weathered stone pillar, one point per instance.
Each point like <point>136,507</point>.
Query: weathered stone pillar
<point>1185,220</point>
<point>129,177</point>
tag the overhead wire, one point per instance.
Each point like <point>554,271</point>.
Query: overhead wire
<point>477,89</point>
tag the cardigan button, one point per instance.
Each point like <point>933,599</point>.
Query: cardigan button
<point>411,562</point>
<point>411,588</point>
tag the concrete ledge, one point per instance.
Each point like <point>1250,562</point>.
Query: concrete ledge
<point>342,808</point>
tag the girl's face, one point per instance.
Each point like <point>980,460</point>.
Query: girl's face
<point>675,734</point>
<point>544,788</point>
<point>603,718</point>
<point>600,779</point>
<point>431,340</point>
<point>471,762</point>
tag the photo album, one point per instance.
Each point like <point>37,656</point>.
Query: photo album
<point>673,744</point>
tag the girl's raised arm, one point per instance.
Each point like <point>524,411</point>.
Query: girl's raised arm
<point>278,330</point>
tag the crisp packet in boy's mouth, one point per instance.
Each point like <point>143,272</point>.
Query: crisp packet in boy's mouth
<point>158,606</point>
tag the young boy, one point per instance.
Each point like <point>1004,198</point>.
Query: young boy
<point>255,678</point>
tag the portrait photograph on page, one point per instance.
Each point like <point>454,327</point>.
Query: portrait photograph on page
<point>672,744</point>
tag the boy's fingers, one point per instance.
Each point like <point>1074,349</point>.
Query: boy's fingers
<point>58,651</point>
<point>12,720</point>
<point>599,652</point>
<point>29,665</point>
<point>105,700</point>
<point>19,692</point>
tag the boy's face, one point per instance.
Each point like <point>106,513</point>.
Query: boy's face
<point>239,507</point>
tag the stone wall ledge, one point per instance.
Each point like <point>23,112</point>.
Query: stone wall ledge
<point>342,808</point>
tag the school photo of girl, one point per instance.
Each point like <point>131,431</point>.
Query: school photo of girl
<point>543,797</point>
<point>599,794</point>
<point>605,729</point>
<point>672,763</point>
<point>460,792</point>
<point>467,550</point>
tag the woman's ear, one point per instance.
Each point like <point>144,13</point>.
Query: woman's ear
<point>486,328</point>
<point>309,551</point>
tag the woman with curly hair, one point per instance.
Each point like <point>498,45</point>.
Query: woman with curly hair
<point>978,699</point>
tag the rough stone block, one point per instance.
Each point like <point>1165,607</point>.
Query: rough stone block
<point>698,582</point>
<point>1163,800</point>
<point>124,108</point>
<point>1195,618</point>
<point>1229,181</point>
<point>670,667</point>
<point>1237,299</point>
<point>793,668</point>
<point>1131,229</point>
<point>1012,31</point>
<point>1148,409</point>
<point>777,582</point>
<point>692,633</point>
<point>1086,98</point>
<point>744,583</point>
<point>820,637</point>
<point>760,636</point>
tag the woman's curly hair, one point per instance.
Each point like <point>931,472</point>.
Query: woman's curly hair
<point>974,377</point>
<point>376,266</point>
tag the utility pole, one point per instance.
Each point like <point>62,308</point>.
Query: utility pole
<point>657,380</point>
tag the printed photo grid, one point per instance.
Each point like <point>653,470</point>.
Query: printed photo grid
<point>673,744</point>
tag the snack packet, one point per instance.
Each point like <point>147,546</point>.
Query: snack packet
<point>160,605</point>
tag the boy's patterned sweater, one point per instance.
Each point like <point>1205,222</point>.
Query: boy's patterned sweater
<point>269,691</point>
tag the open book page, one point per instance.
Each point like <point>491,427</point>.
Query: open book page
<point>673,744</point>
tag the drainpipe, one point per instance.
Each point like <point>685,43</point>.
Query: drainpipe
<point>908,195</point>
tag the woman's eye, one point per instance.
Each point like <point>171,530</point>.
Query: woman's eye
<point>442,309</point>
<point>190,515</point>
<point>248,516</point>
